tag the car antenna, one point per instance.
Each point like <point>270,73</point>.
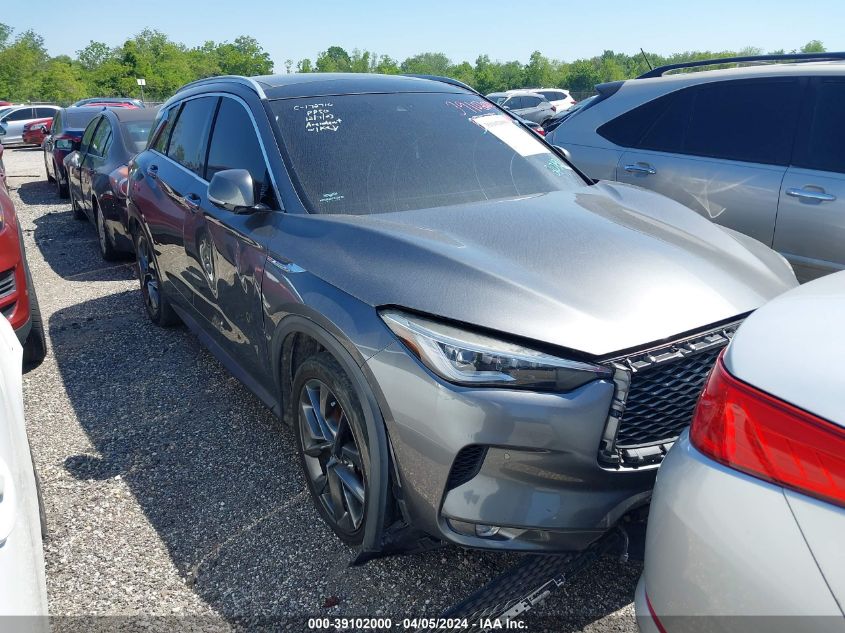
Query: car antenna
<point>645,57</point>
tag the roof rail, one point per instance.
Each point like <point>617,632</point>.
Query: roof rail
<point>794,57</point>
<point>244,81</point>
<point>444,80</point>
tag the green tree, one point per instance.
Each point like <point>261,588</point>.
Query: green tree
<point>427,64</point>
<point>21,66</point>
<point>94,55</point>
<point>538,71</point>
<point>334,60</point>
<point>813,46</point>
<point>243,57</point>
<point>62,81</point>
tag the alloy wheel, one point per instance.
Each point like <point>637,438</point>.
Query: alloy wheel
<point>331,455</point>
<point>148,275</point>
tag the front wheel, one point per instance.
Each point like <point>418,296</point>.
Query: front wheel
<point>333,445</point>
<point>78,211</point>
<point>155,301</point>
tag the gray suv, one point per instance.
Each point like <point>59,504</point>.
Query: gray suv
<point>472,342</point>
<point>758,149</point>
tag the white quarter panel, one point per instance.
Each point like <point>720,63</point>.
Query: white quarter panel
<point>793,347</point>
<point>722,543</point>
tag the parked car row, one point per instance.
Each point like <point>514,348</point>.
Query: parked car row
<point>538,105</point>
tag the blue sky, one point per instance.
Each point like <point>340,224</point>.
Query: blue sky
<point>460,28</point>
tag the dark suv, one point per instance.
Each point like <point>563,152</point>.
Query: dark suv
<point>472,342</point>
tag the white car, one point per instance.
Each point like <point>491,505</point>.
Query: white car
<point>558,97</point>
<point>23,591</point>
<point>747,519</point>
<point>13,118</point>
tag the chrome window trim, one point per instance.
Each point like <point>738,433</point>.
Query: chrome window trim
<point>261,144</point>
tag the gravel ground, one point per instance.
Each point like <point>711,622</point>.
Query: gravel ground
<point>173,495</point>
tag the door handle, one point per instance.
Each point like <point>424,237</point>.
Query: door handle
<point>192,201</point>
<point>152,171</point>
<point>641,168</point>
<point>810,194</point>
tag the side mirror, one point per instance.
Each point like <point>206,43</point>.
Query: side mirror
<point>67,144</point>
<point>564,151</point>
<point>232,189</point>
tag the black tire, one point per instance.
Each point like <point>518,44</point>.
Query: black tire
<point>35,347</point>
<point>61,188</point>
<point>49,177</point>
<point>78,211</point>
<point>156,302</point>
<point>107,249</point>
<point>333,447</point>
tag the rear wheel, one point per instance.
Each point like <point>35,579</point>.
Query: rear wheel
<point>107,249</point>
<point>61,188</point>
<point>333,445</point>
<point>155,301</point>
<point>47,169</point>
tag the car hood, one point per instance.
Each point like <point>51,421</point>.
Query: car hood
<point>600,269</point>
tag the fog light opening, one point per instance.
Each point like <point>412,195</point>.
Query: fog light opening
<point>486,531</point>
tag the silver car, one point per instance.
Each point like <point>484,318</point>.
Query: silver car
<point>473,343</point>
<point>748,512</point>
<point>527,105</point>
<point>13,119</point>
<point>23,590</point>
<point>757,149</point>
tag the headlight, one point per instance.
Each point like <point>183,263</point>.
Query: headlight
<point>468,358</point>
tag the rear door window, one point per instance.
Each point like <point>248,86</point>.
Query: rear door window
<point>746,120</point>
<point>101,138</point>
<point>88,135</point>
<point>164,126</point>
<point>531,102</point>
<point>20,115</point>
<point>189,139</point>
<point>43,113</point>
<point>820,143</point>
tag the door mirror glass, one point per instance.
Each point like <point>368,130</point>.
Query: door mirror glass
<point>67,144</point>
<point>232,189</point>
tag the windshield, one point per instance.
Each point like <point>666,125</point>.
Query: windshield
<point>136,134</point>
<point>377,153</point>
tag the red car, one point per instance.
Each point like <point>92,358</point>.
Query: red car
<point>36,131</point>
<point>18,302</point>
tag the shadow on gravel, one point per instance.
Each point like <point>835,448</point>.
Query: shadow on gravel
<point>217,476</point>
<point>69,246</point>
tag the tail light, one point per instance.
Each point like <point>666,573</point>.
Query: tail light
<point>753,432</point>
<point>119,180</point>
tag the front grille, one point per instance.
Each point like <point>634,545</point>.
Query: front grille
<point>7,283</point>
<point>656,394</point>
<point>466,465</point>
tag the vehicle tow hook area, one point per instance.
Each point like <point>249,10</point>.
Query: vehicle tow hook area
<point>530,582</point>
